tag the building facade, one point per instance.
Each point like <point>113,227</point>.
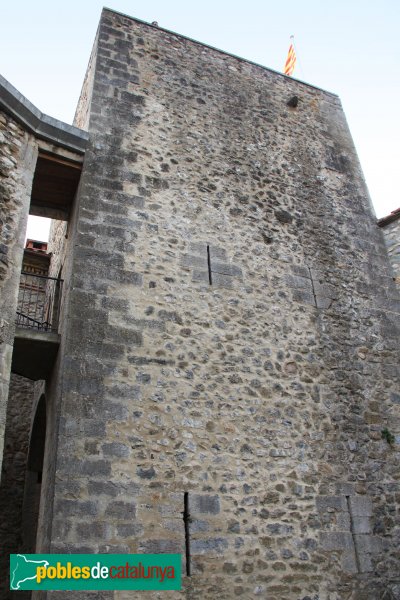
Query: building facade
<point>227,337</point>
<point>390,226</point>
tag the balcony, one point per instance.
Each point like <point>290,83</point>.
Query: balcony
<point>38,302</point>
<point>36,339</point>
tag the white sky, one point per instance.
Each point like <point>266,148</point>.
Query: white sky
<point>350,47</point>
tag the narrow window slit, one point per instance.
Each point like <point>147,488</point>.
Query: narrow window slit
<point>209,265</point>
<point>186,520</point>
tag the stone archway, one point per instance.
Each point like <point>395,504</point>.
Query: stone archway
<point>33,481</point>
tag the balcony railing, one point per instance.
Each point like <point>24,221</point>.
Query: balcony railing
<point>39,302</point>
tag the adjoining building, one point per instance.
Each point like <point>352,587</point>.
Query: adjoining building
<point>390,226</point>
<point>217,372</point>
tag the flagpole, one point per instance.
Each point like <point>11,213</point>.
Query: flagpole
<point>297,55</point>
<point>290,59</point>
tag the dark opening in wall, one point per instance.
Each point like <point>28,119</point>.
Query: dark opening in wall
<point>186,520</point>
<point>33,481</point>
<point>209,265</point>
<point>54,186</point>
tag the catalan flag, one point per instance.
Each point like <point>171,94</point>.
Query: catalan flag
<point>290,61</point>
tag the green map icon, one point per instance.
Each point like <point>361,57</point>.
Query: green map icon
<point>23,569</point>
<point>95,571</point>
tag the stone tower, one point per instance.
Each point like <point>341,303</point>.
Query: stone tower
<point>227,339</point>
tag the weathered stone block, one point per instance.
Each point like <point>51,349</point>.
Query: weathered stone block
<point>222,281</point>
<point>126,530</point>
<point>96,530</point>
<point>115,449</point>
<point>336,540</point>
<point>201,276</point>
<point>124,511</point>
<point>362,524</point>
<point>365,562</point>
<point>197,525</point>
<point>345,488</point>
<point>144,473</point>
<point>331,502</point>
<point>343,521</point>
<point>225,269</point>
<point>173,316</point>
<point>106,488</point>
<point>76,508</point>
<point>283,216</point>
<point>124,391</point>
<point>279,529</point>
<point>211,546</point>
<point>323,302</point>
<point>360,506</point>
<point>395,398</point>
<point>124,336</point>
<point>158,546</point>
<point>301,282</point>
<point>218,253</point>
<point>301,271</point>
<point>368,543</point>
<point>190,260</point>
<point>85,467</point>
<point>199,248</point>
<point>349,561</point>
<point>305,297</point>
<point>204,504</point>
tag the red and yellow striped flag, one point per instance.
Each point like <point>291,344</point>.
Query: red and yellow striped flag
<point>290,61</point>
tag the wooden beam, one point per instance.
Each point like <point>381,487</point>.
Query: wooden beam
<point>60,160</point>
<point>55,182</point>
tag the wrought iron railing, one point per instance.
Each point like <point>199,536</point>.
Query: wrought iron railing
<point>39,302</point>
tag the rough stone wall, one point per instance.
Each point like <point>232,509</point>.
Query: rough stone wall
<point>391,233</point>
<point>63,237</point>
<point>82,114</point>
<point>19,413</point>
<point>18,154</point>
<point>236,320</point>
<point>58,247</point>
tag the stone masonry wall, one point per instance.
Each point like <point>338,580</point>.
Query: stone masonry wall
<point>19,415</point>
<point>82,114</point>
<point>231,333</point>
<point>391,233</point>
<point>18,154</point>
<point>58,248</point>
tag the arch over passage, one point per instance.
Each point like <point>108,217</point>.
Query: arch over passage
<point>33,481</point>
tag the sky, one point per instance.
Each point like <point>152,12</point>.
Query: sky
<point>349,47</point>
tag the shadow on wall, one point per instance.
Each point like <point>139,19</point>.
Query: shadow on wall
<point>21,478</point>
